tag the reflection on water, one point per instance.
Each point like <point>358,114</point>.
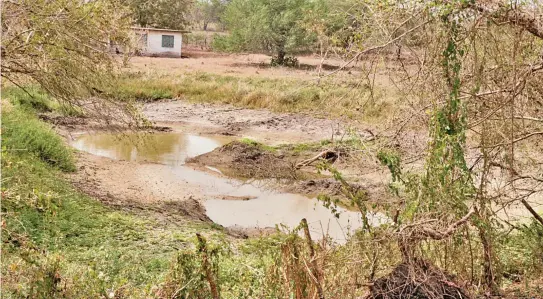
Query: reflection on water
<point>165,148</point>
<point>267,209</point>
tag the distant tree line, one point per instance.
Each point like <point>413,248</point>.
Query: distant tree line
<point>279,28</point>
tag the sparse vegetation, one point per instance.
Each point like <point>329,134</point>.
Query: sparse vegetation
<point>327,99</point>
<point>467,77</point>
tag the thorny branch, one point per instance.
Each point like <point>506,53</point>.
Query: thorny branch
<point>420,231</point>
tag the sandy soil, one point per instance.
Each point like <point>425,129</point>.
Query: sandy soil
<point>177,193</point>
<point>178,196</point>
<point>130,184</point>
<point>283,128</point>
<point>117,179</point>
<point>137,186</point>
<point>244,65</point>
<point>258,66</point>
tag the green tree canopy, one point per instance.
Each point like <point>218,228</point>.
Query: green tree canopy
<point>269,26</point>
<point>63,46</point>
<point>171,14</point>
<point>209,11</point>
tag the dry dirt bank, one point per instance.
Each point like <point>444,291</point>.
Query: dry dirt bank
<point>261,125</point>
<point>242,65</point>
<point>281,164</point>
<point>272,128</point>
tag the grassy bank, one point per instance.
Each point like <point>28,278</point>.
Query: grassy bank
<point>329,98</point>
<point>58,242</point>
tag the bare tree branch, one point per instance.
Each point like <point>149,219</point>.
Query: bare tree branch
<point>532,211</point>
<point>503,11</point>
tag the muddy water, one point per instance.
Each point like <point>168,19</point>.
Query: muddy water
<point>164,148</point>
<point>262,206</point>
<point>288,209</point>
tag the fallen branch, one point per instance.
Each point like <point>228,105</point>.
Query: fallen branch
<point>532,211</point>
<point>422,232</point>
<point>327,155</point>
<point>516,140</point>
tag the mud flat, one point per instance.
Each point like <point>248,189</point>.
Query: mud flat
<point>151,169</point>
<point>262,125</point>
<point>200,171</point>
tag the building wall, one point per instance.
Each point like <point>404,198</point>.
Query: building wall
<point>154,43</point>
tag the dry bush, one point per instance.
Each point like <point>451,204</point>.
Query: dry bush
<point>474,82</point>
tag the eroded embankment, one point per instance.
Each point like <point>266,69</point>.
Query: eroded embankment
<point>186,167</point>
<point>291,169</point>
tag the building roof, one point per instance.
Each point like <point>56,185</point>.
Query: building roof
<point>160,29</point>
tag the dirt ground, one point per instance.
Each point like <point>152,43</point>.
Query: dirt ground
<point>274,129</point>
<point>243,65</point>
<point>258,66</point>
<point>119,182</point>
<point>248,161</point>
<point>261,125</point>
<point>148,186</point>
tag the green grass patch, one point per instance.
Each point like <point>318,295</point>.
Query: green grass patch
<point>347,144</point>
<point>47,219</point>
<point>254,143</point>
<point>22,131</point>
<point>36,99</point>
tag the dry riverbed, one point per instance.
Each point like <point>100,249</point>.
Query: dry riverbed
<point>200,171</point>
<point>236,167</point>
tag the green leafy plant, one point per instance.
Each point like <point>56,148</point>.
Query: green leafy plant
<point>267,26</point>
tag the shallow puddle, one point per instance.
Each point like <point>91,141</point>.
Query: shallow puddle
<point>164,148</point>
<point>270,209</point>
<point>265,207</point>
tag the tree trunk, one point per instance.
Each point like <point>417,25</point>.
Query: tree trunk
<point>281,57</point>
<point>489,271</point>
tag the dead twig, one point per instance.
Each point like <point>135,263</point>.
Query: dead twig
<point>327,155</point>
<point>202,248</point>
<point>314,267</point>
<point>532,211</point>
<point>421,232</point>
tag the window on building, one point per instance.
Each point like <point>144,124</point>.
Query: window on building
<point>167,41</point>
<point>144,39</point>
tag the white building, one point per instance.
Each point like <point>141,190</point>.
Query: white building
<point>159,42</point>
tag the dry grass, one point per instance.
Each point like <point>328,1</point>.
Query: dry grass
<point>331,98</point>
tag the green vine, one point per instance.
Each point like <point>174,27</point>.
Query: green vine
<point>448,182</point>
<point>391,159</point>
